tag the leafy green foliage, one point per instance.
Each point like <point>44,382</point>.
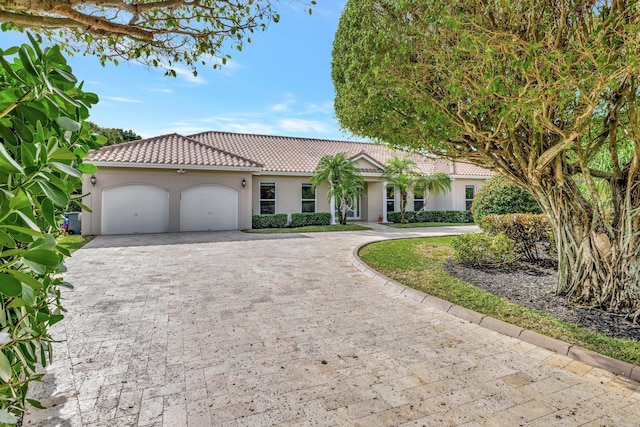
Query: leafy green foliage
<point>269,221</point>
<point>480,249</point>
<point>526,230</point>
<point>459,217</point>
<point>114,135</point>
<point>499,196</point>
<point>157,34</point>
<point>310,218</point>
<point>345,182</point>
<point>44,138</point>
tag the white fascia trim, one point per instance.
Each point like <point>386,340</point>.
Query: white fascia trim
<point>307,174</point>
<point>469,177</point>
<point>272,173</point>
<point>369,159</point>
<point>185,167</point>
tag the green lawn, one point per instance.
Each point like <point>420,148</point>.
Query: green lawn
<point>310,229</point>
<point>419,264</point>
<point>73,242</point>
<point>425,224</point>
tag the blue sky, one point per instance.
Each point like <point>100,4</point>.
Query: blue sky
<point>280,84</point>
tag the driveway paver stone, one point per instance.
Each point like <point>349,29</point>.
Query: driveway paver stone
<point>235,329</point>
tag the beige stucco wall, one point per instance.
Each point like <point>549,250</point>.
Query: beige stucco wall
<point>374,201</point>
<point>168,179</point>
<point>288,193</point>
<point>454,199</point>
<point>289,196</point>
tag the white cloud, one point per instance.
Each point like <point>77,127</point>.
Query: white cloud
<point>187,74</point>
<point>299,125</point>
<point>257,128</point>
<point>323,107</point>
<point>160,90</point>
<point>121,99</point>
<point>182,128</point>
<point>279,108</point>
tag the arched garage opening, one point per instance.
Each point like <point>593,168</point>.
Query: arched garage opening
<point>208,208</point>
<point>135,208</point>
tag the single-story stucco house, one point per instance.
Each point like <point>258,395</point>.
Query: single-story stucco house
<point>218,180</point>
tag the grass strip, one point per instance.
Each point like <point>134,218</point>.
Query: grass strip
<point>419,264</point>
<point>310,229</point>
<point>73,242</point>
<point>426,224</point>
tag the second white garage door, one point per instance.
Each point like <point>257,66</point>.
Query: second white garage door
<point>208,208</point>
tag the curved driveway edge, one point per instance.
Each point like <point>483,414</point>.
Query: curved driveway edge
<point>563,348</point>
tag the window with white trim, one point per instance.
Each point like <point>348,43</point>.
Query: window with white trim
<point>418,199</point>
<point>391,198</point>
<point>308,198</point>
<point>469,193</point>
<point>267,198</point>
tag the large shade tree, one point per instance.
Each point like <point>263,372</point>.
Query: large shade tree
<point>159,33</point>
<point>535,90</point>
<point>345,182</point>
<point>402,173</point>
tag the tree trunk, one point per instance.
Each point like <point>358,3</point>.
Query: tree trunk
<point>598,256</point>
<point>403,206</point>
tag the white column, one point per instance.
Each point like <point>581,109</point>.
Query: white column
<point>384,202</point>
<point>332,207</point>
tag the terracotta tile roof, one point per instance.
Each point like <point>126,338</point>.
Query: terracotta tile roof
<point>289,154</point>
<point>172,149</point>
<point>460,168</point>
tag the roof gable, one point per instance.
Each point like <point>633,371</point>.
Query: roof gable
<point>366,164</point>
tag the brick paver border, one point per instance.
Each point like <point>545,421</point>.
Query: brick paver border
<point>615,366</point>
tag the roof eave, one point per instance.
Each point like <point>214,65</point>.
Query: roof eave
<point>175,166</point>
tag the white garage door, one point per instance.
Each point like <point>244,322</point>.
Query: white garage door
<point>135,208</point>
<point>208,207</point>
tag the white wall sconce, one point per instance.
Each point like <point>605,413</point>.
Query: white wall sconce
<point>93,180</point>
<point>244,182</point>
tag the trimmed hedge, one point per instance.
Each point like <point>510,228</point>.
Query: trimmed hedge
<point>526,230</point>
<point>478,249</point>
<point>499,196</point>
<point>461,217</point>
<point>310,218</point>
<point>269,221</point>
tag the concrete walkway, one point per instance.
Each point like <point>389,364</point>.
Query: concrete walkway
<point>235,329</point>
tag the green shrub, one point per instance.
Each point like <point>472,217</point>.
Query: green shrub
<point>269,221</point>
<point>310,218</point>
<point>478,249</point>
<point>44,139</point>
<point>526,230</point>
<point>499,196</point>
<point>461,217</point>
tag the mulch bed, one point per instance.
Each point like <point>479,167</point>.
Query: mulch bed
<point>533,285</point>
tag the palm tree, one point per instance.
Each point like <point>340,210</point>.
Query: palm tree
<point>403,175</point>
<point>345,182</point>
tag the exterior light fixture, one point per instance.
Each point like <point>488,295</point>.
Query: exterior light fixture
<point>244,182</point>
<point>93,180</point>
<point>181,171</point>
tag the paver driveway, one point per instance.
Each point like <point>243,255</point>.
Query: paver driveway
<point>232,329</point>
